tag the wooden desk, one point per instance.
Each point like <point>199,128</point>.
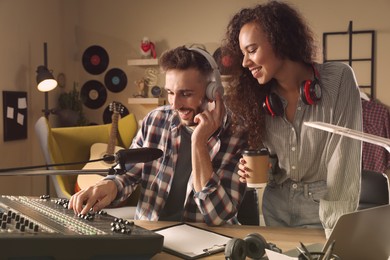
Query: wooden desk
<point>284,238</point>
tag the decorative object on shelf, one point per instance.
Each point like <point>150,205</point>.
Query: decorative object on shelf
<point>140,84</point>
<point>147,49</point>
<point>151,77</point>
<point>224,63</point>
<point>115,80</point>
<point>108,112</point>
<point>93,94</point>
<point>156,91</point>
<point>70,109</point>
<point>95,59</point>
<point>151,80</point>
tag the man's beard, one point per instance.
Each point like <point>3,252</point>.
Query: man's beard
<point>194,113</point>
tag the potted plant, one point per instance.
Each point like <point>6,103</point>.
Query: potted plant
<point>70,111</point>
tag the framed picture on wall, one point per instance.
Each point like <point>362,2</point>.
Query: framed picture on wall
<point>14,115</point>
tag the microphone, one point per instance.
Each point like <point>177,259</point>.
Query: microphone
<point>135,155</point>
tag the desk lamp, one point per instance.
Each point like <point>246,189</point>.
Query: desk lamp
<point>45,81</point>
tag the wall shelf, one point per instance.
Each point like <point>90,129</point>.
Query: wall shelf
<point>142,62</point>
<point>146,101</point>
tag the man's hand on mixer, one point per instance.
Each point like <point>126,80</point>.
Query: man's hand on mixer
<point>95,197</point>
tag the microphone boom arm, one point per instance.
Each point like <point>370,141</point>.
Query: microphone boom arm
<point>50,165</point>
<point>53,172</point>
<point>137,155</point>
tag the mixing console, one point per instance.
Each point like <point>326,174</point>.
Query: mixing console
<point>43,228</point>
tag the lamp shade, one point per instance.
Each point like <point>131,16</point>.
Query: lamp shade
<point>45,79</point>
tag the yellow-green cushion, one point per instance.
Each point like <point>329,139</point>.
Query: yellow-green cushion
<point>73,144</point>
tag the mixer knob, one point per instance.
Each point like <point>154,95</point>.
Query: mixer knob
<point>44,197</point>
<point>129,223</point>
<point>102,212</point>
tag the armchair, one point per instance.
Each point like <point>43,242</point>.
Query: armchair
<point>72,144</point>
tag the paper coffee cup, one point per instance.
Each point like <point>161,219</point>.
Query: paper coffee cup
<point>258,165</point>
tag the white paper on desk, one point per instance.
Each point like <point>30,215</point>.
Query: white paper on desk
<point>272,255</point>
<point>191,241</point>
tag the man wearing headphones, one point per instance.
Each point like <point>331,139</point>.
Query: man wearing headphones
<point>196,179</point>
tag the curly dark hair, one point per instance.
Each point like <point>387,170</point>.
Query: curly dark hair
<point>290,38</point>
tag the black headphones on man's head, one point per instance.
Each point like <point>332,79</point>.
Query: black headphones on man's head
<point>216,84</point>
<point>310,92</point>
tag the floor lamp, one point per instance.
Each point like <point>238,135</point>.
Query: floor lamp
<point>46,83</point>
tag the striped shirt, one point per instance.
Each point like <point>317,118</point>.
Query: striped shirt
<point>307,154</point>
<point>215,204</point>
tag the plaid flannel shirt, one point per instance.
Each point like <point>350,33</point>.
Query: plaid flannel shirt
<point>217,203</point>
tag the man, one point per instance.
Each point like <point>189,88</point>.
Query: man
<point>196,178</point>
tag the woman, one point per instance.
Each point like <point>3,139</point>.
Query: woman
<point>276,87</point>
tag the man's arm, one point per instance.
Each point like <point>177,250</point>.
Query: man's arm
<point>219,199</point>
<point>208,123</point>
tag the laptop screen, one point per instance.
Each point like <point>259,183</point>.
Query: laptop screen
<point>363,234</point>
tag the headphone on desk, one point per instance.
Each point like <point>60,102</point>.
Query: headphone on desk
<point>252,246</point>
<point>310,93</point>
<point>216,84</point>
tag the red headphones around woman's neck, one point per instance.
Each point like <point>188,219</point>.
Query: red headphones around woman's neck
<point>310,93</point>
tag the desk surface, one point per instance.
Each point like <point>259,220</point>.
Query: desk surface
<point>284,238</point>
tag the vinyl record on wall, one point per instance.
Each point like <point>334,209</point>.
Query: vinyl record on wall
<point>115,80</point>
<point>107,114</point>
<point>223,61</point>
<point>95,59</point>
<point>93,94</point>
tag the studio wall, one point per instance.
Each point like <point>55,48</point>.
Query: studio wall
<point>70,26</point>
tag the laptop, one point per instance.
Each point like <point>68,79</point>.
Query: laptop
<point>363,234</point>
